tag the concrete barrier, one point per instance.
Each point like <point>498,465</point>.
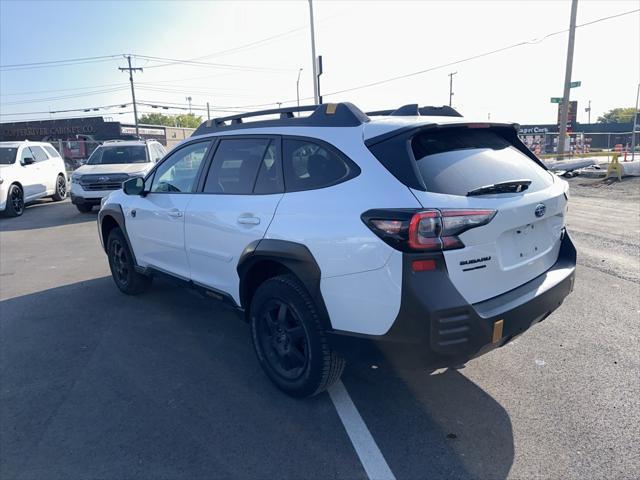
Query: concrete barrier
<point>631,169</point>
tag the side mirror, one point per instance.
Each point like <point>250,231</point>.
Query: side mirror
<point>133,186</point>
<point>28,161</point>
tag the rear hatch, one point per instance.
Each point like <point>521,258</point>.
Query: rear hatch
<point>466,167</point>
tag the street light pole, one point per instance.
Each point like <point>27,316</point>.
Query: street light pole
<point>451,86</point>
<point>313,55</point>
<point>588,110</point>
<point>564,111</point>
<point>298,87</point>
<point>635,126</point>
<point>188,99</point>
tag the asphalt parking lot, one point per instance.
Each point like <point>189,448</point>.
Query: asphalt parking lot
<point>95,384</point>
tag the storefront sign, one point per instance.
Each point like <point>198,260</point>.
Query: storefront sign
<point>142,131</point>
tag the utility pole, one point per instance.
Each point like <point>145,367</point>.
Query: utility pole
<point>451,86</point>
<point>635,126</point>
<point>208,113</point>
<point>188,99</point>
<point>298,88</point>
<point>588,110</point>
<point>133,92</point>
<point>313,55</point>
<point>564,112</point>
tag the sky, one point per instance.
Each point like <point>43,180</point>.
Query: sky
<point>251,53</point>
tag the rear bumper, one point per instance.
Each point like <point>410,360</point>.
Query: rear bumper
<point>436,327</point>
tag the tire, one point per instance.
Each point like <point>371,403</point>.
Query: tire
<point>122,266</point>
<point>61,189</point>
<point>289,339</point>
<point>84,208</point>
<point>15,202</point>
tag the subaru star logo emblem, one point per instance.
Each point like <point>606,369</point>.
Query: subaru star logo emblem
<point>540,210</point>
<point>106,179</point>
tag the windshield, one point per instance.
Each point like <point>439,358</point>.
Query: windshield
<point>8,155</point>
<point>118,154</point>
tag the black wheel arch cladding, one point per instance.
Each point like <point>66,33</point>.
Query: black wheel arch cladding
<point>292,256</point>
<point>114,212</point>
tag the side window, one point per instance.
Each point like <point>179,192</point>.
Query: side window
<point>235,165</point>
<point>53,153</point>
<point>308,166</point>
<point>26,153</point>
<point>161,151</point>
<point>39,154</point>
<point>270,174</point>
<point>177,174</point>
<point>156,152</point>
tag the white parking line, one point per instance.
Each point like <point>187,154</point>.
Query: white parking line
<point>370,455</point>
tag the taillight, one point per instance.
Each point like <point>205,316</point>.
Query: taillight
<point>425,230</point>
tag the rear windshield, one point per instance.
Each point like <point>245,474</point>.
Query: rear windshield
<point>8,155</point>
<point>118,154</point>
<point>459,160</point>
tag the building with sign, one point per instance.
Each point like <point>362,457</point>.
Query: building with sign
<point>76,138</point>
<point>583,137</point>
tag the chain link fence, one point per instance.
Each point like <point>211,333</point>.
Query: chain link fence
<point>578,143</point>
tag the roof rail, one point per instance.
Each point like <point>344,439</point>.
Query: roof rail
<point>414,110</point>
<point>326,115</point>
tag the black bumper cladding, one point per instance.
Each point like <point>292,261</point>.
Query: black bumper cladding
<point>436,327</point>
<point>76,200</point>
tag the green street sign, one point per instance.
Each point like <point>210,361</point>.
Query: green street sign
<point>556,99</point>
<point>575,84</point>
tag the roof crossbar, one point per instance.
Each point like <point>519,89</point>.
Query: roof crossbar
<point>414,110</point>
<point>326,115</point>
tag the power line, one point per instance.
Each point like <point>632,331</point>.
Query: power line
<point>475,57</point>
<point>426,70</point>
<point>5,69</point>
<point>64,97</point>
<point>197,91</point>
<point>50,62</point>
<point>444,65</point>
<point>240,47</point>
<point>61,90</point>
<point>209,64</point>
<point>85,109</point>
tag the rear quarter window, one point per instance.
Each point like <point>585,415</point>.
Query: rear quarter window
<point>38,154</point>
<point>309,165</point>
<point>53,153</point>
<point>458,160</point>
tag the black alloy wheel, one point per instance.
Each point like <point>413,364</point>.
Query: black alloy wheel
<point>119,263</point>
<point>15,202</point>
<point>61,188</point>
<point>283,339</point>
<point>289,337</point>
<point>122,265</point>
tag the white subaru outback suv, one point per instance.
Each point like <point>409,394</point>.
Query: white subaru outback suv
<point>29,171</point>
<point>411,235</point>
<point>109,165</point>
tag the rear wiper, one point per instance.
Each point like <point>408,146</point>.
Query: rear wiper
<point>511,186</point>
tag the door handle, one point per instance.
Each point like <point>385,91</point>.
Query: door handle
<point>175,213</point>
<point>249,220</point>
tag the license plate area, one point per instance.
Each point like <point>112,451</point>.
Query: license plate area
<point>526,242</point>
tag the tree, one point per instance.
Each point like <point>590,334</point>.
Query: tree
<point>618,115</point>
<point>188,120</point>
